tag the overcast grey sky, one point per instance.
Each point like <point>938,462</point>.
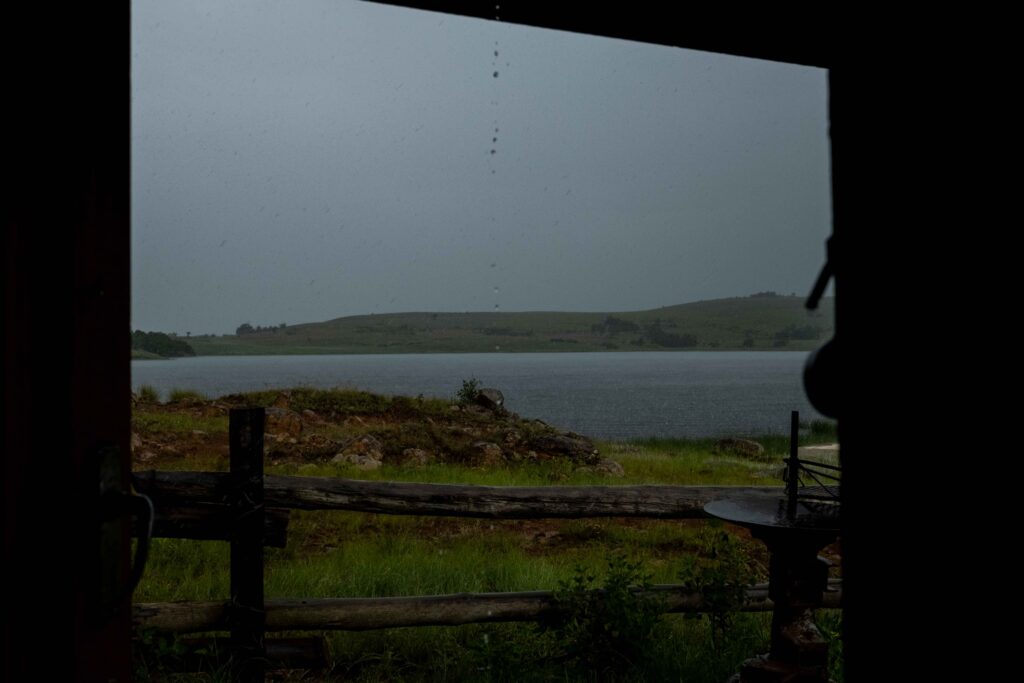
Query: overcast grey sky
<point>301,161</point>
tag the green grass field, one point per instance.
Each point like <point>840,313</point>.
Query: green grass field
<point>348,554</point>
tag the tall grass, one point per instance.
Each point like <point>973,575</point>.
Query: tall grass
<point>177,395</point>
<point>349,554</point>
<point>177,423</point>
<point>148,394</point>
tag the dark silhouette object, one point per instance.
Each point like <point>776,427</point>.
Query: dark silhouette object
<point>67,389</point>
<point>797,579</point>
<point>821,379</point>
<point>821,371</point>
<point>245,496</point>
<point>66,290</point>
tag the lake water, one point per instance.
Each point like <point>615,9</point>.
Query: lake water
<point>605,395</point>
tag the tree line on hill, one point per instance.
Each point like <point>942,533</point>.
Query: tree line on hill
<point>246,328</point>
<point>161,344</point>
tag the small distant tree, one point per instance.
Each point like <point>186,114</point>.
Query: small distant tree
<point>244,328</point>
<point>467,394</point>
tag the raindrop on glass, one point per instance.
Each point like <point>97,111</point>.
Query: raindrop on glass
<point>495,74</point>
<point>494,139</point>
<point>497,348</point>
<point>493,264</point>
<point>496,290</point>
<point>494,151</point>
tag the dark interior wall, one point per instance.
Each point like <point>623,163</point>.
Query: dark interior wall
<point>783,34</point>
<point>66,318</point>
<point>66,298</point>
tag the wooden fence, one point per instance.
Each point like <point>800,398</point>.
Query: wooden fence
<point>251,511</point>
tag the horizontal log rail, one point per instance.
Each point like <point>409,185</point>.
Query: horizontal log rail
<point>208,521</point>
<point>494,502</point>
<point>363,614</point>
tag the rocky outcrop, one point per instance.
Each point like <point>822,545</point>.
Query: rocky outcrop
<point>481,433</point>
<point>365,445</point>
<point>488,454</point>
<point>512,438</point>
<point>311,417</point>
<point>317,447</point>
<point>283,421</point>
<point>743,448</point>
<point>365,452</point>
<point>578,448</point>
<point>415,457</point>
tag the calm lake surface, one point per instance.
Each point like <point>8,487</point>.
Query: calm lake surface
<point>604,395</point>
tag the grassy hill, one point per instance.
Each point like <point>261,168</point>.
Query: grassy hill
<point>748,323</point>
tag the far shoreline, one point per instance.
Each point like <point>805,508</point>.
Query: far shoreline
<point>406,352</point>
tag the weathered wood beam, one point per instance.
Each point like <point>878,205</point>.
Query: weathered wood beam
<point>212,522</point>
<point>362,614</point>
<point>245,499</point>
<point>495,502</point>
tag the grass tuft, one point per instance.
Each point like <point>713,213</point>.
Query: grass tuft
<point>148,394</point>
<point>184,396</point>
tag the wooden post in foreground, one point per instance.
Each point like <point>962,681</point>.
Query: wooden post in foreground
<point>793,464</point>
<point>245,496</point>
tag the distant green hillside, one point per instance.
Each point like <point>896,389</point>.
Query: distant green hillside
<point>749,323</point>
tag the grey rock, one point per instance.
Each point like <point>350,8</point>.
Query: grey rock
<point>609,468</point>
<point>488,454</point>
<point>512,437</point>
<point>283,421</point>
<point>367,446</point>
<point>492,399</point>
<point>416,457</point>
<point>577,448</point>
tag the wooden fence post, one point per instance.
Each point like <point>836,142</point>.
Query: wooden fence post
<point>245,496</point>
